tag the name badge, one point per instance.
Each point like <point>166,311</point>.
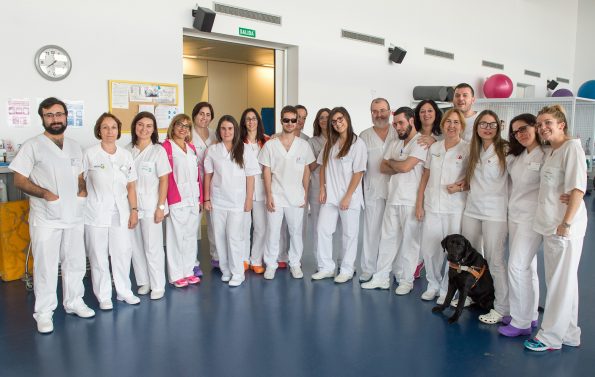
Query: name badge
<point>75,162</point>
<point>534,166</point>
<point>300,160</point>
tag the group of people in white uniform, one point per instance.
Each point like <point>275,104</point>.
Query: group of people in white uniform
<point>418,180</point>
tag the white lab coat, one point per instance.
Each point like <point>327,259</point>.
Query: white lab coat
<point>256,217</point>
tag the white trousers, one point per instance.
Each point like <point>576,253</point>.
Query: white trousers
<point>327,224</point>
<point>492,235</point>
<point>105,244</point>
<point>148,256</point>
<point>314,201</point>
<point>212,239</point>
<point>181,229</point>
<point>560,318</point>
<point>399,244</point>
<point>373,221</point>
<point>294,218</point>
<point>229,236</point>
<point>50,247</point>
<point>257,219</point>
<point>435,227</point>
<point>523,281</point>
<point>284,242</point>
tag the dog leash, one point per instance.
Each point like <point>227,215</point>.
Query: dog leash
<point>475,271</point>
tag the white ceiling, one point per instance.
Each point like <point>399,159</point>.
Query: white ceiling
<point>206,49</point>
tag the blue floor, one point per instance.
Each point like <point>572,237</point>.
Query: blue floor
<point>283,327</point>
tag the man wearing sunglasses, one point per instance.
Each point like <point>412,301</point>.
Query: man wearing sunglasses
<point>286,178</point>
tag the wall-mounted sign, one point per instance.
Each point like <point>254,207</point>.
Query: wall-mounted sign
<point>247,32</point>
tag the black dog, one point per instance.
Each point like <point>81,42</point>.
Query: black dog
<point>468,274</point>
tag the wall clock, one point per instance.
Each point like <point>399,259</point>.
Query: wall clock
<point>53,62</point>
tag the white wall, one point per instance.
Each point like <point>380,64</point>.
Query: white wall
<point>142,40</point>
<point>584,63</point>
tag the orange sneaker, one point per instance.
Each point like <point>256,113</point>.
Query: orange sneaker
<point>257,269</point>
<point>246,266</point>
<point>282,264</point>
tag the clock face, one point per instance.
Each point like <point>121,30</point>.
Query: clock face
<point>53,62</point>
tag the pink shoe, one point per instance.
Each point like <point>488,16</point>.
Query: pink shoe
<point>193,279</point>
<point>180,283</point>
<point>418,269</point>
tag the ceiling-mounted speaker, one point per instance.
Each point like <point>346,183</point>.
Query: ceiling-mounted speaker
<point>396,54</point>
<point>203,19</point>
<point>552,84</point>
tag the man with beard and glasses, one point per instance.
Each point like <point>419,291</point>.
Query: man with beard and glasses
<point>377,139</point>
<point>401,231</point>
<point>48,168</point>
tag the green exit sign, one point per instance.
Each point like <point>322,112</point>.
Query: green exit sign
<point>247,32</point>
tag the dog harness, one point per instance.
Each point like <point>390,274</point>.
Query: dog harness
<point>475,271</point>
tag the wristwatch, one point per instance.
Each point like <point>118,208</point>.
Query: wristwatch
<point>566,225</point>
<point>161,206</point>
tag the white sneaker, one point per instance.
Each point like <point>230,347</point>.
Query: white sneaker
<point>296,272</point>
<point>132,300</point>
<point>343,278</point>
<point>403,289</point>
<point>376,283</point>
<point>323,275</point>
<point>225,278</point>
<point>429,295</point>
<point>81,310</point>
<point>441,299</point>
<point>491,318</point>
<point>45,325</point>
<point>455,302</point>
<point>365,277</point>
<point>106,305</point>
<point>236,281</point>
<point>269,273</point>
<point>156,295</point>
<point>144,289</point>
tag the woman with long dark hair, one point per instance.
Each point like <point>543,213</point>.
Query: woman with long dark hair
<point>428,117</point>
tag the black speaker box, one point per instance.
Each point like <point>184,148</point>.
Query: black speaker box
<point>397,54</point>
<point>203,19</point>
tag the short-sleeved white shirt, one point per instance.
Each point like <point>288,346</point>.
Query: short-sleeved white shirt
<point>339,170</point>
<point>201,147</point>
<point>524,171</point>
<point>228,184</point>
<point>446,167</point>
<point>488,193</point>
<point>107,176</point>
<point>259,192</point>
<point>185,170</point>
<point>56,170</point>
<point>468,132</point>
<point>317,144</point>
<point>376,183</point>
<point>402,187</point>
<point>150,164</point>
<point>564,170</point>
<point>287,168</point>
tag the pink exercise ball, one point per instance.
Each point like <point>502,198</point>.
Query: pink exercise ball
<point>498,86</point>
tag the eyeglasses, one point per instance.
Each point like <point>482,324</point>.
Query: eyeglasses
<point>251,119</point>
<point>520,130</point>
<point>549,123</point>
<point>379,112</point>
<point>338,120</point>
<point>53,115</point>
<point>287,120</point>
<point>183,125</point>
<point>486,125</point>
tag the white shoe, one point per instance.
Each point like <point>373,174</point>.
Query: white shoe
<point>343,278</point>
<point>144,289</point>
<point>296,272</point>
<point>365,277</point>
<point>132,300</point>
<point>403,289</point>
<point>106,305</point>
<point>441,299</point>
<point>156,295</point>
<point>225,278</point>
<point>323,275</point>
<point>81,310</point>
<point>236,281</point>
<point>45,325</point>
<point>376,283</point>
<point>491,318</point>
<point>455,302</point>
<point>429,295</point>
<point>269,273</point>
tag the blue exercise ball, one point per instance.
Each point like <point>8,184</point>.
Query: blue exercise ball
<point>587,90</point>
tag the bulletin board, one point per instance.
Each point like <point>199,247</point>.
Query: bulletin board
<point>128,98</point>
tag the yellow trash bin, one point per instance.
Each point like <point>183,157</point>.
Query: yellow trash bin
<point>14,239</point>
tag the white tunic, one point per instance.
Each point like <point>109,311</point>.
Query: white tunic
<point>402,187</point>
<point>150,164</point>
<point>56,170</point>
<point>468,132</point>
<point>228,184</point>
<point>564,170</point>
<point>488,194</point>
<point>201,147</point>
<point>376,183</point>
<point>524,171</point>
<point>317,144</point>
<point>446,167</point>
<point>107,176</point>
<point>185,170</point>
<point>259,192</point>
<point>287,168</point>
<point>338,173</point>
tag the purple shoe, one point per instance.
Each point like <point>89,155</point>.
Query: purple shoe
<point>511,331</point>
<point>197,271</point>
<point>215,263</point>
<point>507,319</point>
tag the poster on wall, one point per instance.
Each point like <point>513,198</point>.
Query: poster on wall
<point>76,111</point>
<point>18,112</point>
<point>119,95</point>
<point>152,93</point>
<point>164,115</point>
